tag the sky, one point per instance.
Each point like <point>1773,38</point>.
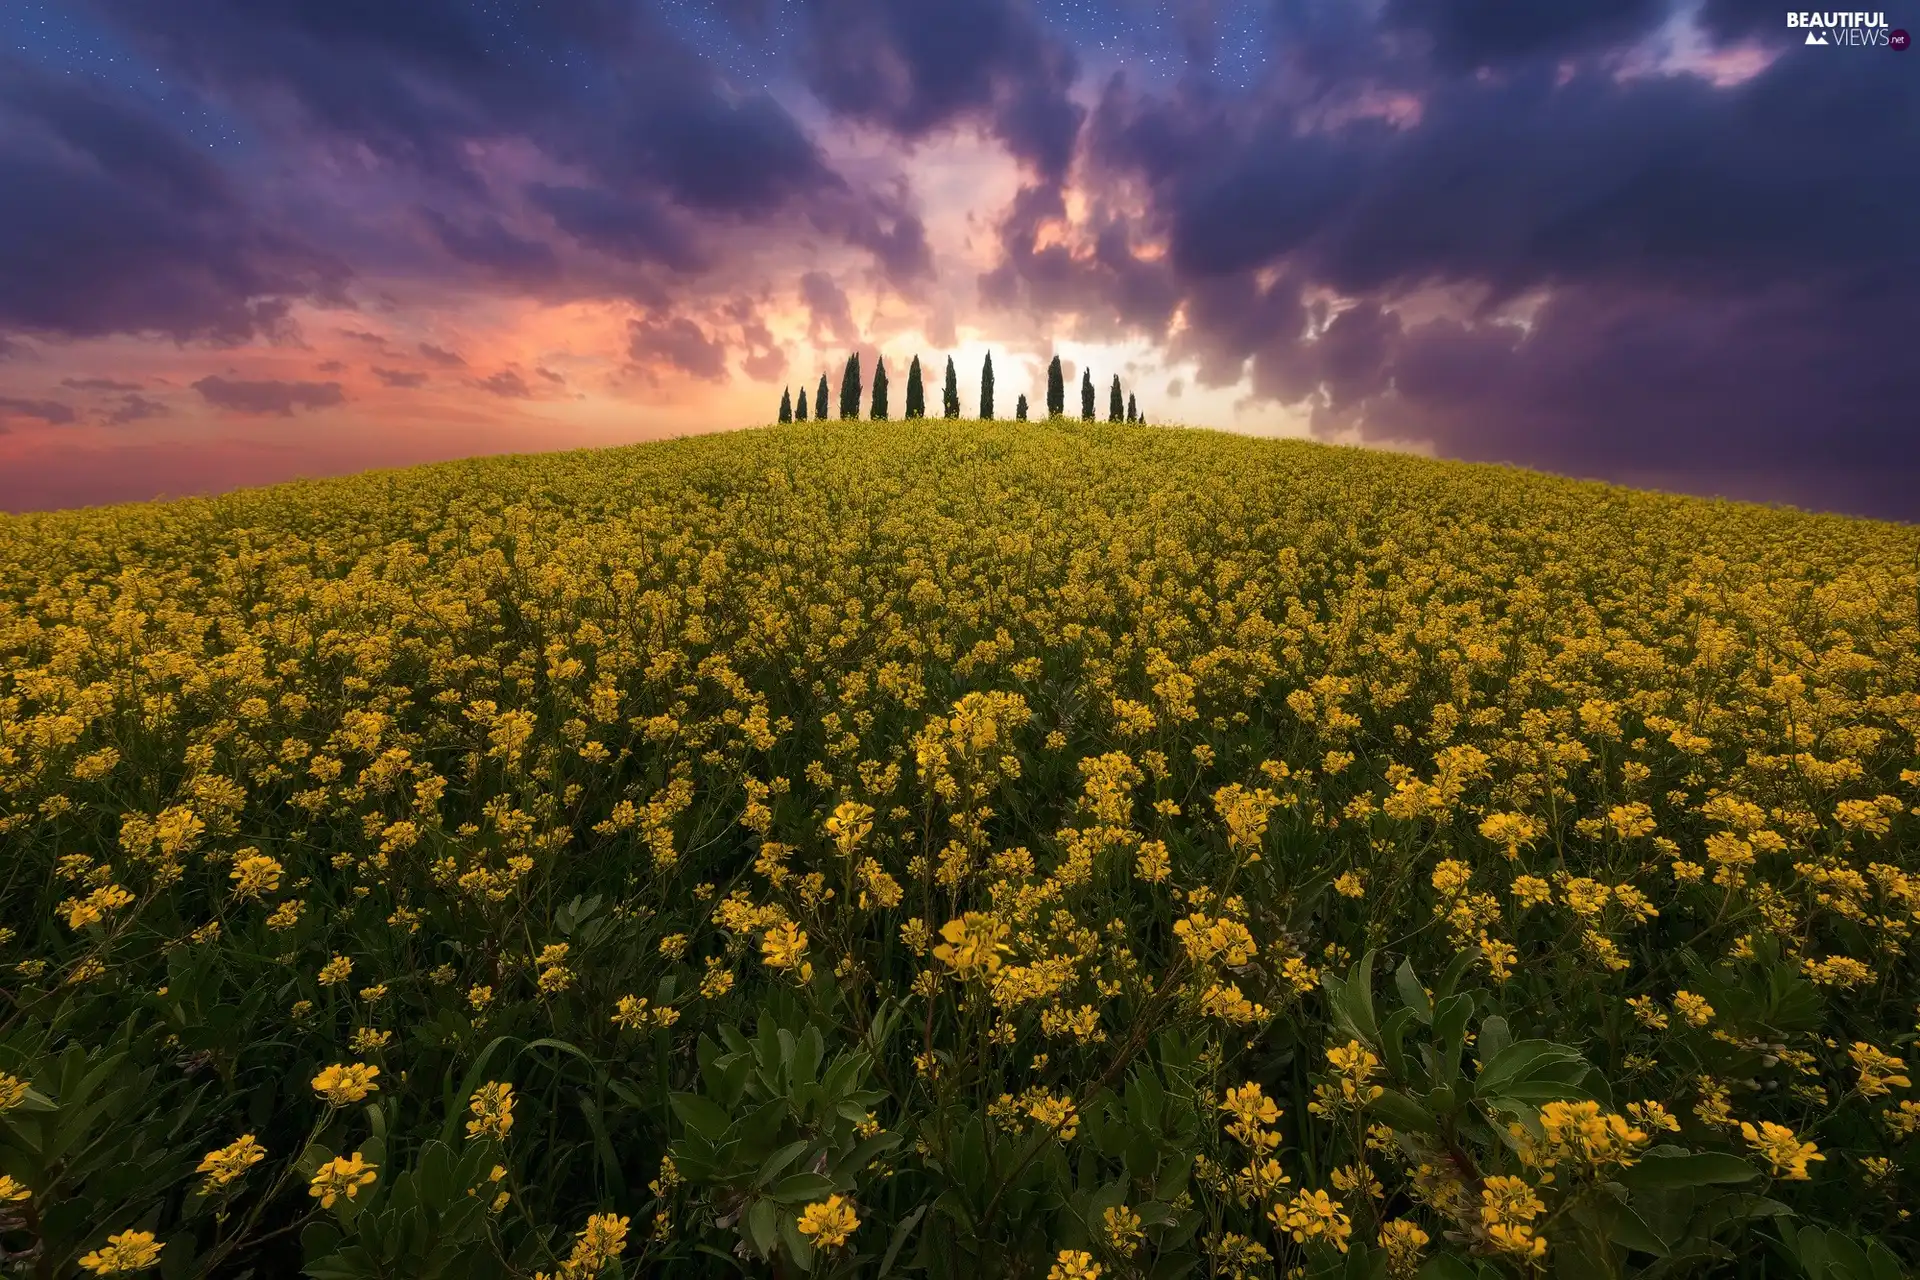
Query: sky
<point>1658,242</point>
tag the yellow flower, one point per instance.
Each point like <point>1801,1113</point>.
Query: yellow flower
<point>342,1083</point>
<point>128,1251</point>
<point>341,1176</point>
<point>829,1222</point>
<point>973,944</point>
<point>1074,1264</point>
<point>1879,1072</point>
<point>225,1165</point>
<point>1313,1215</point>
<point>12,1191</point>
<point>1693,1008</point>
<point>1402,1241</point>
<point>783,947</point>
<point>335,971</point>
<point>492,1108</point>
<point>254,875</point>
<point>1782,1148</point>
<point>13,1091</point>
<point>1123,1230</point>
<point>1250,1106</point>
<point>1509,1201</point>
<point>1057,1114</point>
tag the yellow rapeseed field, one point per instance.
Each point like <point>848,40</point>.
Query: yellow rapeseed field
<point>958,849</point>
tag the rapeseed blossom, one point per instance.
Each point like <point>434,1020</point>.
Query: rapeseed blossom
<point>1072,757</point>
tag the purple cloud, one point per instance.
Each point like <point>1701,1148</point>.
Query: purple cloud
<point>268,396</point>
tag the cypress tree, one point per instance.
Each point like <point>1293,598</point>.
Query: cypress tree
<point>1115,410</point>
<point>800,413</point>
<point>1086,395</point>
<point>880,389</point>
<point>916,394</point>
<point>1133,415</point>
<point>986,388</point>
<point>850,388</point>
<point>1056,390</point>
<point>786,404</point>
<point>1020,408</point>
<point>950,395</point>
<point>820,401</point>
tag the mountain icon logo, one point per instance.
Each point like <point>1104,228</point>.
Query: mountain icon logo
<point>1814,37</point>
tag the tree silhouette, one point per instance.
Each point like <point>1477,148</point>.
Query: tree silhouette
<point>1020,408</point>
<point>986,388</point>
<point>786,404</point>
<point>1086,395</point>
<point>1056,390</point>
<point>880,389</point>
<point>850,388</point>
<point>1115,410</point>
<point>800,411</point>
<point>820,401</point>
<point>916,394</point>
<point>1133,414</point>
<point>950,395</point>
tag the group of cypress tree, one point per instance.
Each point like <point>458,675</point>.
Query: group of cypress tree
<point>1117,410</point>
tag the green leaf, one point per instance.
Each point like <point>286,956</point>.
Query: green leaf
<point>1884,1265</point>
<point>762,1225</point>
<point>777,1163</point>
<point>1495,1035</point>
<point>1627,1229</point>
<point>799,1188</point>
<point>900,1236</point>
<point>702,1115</point>
<point>1412,994</point>
<point>1446,1266</point>
<point>1401,1112</point>
<point>798,1245</point>
<point>1450,1030</point>
<point>1524,1067</point>
<point>1393,1034</point>
<point>1660,1172</point>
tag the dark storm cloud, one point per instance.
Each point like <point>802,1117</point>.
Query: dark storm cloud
<point>136,408</point>
<point>914,66</point>
<point>1729,20</point>
<point>680,343</point>
<point>405,378</point>
<point>43,410</point>
<point>268,396</point>
<point>115,224</point>
<point>484,241</point>
<point>1472,33</point>
<point>506,383</point>
<point>649,124</point>
<point>98,384</point>
<point>444,358</point>
<point>638,229</point>
<point>1728,269</point>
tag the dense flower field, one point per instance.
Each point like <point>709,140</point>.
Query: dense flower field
<point>958,849</point>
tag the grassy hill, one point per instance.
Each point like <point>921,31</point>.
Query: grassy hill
<point>1034,849</point>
